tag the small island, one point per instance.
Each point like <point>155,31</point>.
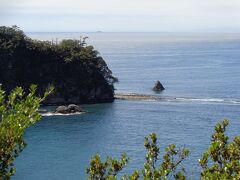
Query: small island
<point>158,87</point>
<point>75,69</point>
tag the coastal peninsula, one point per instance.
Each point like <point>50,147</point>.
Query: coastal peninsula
<point>74,68</point>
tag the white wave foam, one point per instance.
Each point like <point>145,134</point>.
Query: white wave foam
<point>207,100</point>
<point>201,99</point>
<point>59,114</point>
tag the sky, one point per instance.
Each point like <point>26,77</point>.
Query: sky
<point>122,15</point>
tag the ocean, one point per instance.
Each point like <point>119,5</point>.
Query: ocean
<point>201,76</point>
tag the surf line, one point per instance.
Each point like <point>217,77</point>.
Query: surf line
<point>145,97</point>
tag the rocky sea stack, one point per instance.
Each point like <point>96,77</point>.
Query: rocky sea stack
<point>158,86</point>
<point>75,69</point>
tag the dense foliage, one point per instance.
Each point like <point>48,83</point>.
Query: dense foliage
<point>77,72</point>
<point>107,169</point>
<point>17,113</point>
<point>220,161</point>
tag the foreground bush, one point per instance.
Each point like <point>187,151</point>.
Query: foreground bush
<point>222,158</point>
<point>18,111</point>
<point>169,166</point>
<point>220,161</point>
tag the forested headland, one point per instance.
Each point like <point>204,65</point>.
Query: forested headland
<point>75,69</point>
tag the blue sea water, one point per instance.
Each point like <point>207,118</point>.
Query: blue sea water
<point>200,71</point>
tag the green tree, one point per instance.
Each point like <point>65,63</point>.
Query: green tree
<point>172,159</point>
<point>222,158</point>
<point>108,169</point>
<point>18,111</point>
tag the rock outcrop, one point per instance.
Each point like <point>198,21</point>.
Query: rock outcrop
<point>72,108</point>
<point>81,95</point>
<point>158,86</point>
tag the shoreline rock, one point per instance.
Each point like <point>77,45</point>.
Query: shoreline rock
<point>70,109</point>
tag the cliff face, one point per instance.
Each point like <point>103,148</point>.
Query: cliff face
<point>73,95</point>
<point>77,72</point>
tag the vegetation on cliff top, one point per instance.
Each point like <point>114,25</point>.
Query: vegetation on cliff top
<point>77,72</point>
